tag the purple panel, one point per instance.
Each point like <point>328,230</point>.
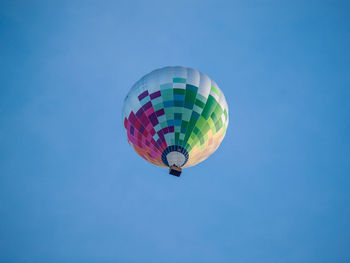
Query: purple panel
<point>160,133</point>
<point>160,112</point>
<point>153,119</point>
<point>157,144</point>
<point>165,130</point>
<point>139,113</point>
<point>125,123</point>
<point>171,129</point>
<point>155,95</point>
<point>132,118</point>
<point>143,94</point>
<point>144,120</point>
<point>147,105</point>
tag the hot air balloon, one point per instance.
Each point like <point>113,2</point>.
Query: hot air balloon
<point>175,117</point>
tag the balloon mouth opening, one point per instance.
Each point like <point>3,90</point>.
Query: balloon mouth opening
<point>175,156</point>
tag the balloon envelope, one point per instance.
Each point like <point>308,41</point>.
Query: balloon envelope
<point>175,116</point>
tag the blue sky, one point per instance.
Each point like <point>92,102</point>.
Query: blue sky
<point>73,190</point>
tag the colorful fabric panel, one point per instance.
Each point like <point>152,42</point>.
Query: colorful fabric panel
<point>175,106</point>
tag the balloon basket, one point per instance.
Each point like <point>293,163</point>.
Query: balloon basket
<point>174,170</point>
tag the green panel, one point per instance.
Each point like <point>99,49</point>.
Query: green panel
<point>184,124</point>
<point>217,117</point>
<point>205,128</point>
<point>192,122</point>
<point>201,140</point>
<point>201,121</point>
<point>190,127</point>
<point>169,114</point>
<point>195,141</point>
<point>218,110</point>
<point>197,109</point>
<point>178,109</point>
<point>201,98</point>
<point>179,91</point>
<point>199,103</point>
<point>177,136</point>
<point>218,125</point>
<point>177,116</point>
<point>205,137</point>
<point>178,103</point>
<point>190,96</point>
<point>214,117</point>
<point>225,112</point>
<point>158,106</point>
<point>166,86</point>
<point>167,94</point>
<point>215,90</point>
<point>189,148</point>
<point>179,80</point>
<point>199,134</point>
<point>211,125</point>
<point>209,107</point>
<point>191,87</point>
<point>186,114</point>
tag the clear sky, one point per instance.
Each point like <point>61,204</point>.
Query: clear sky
<point>73,190</point>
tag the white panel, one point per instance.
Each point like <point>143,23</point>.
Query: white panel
<point>180,72</point>
<point>166,75</point>
<point>193,77</point>
<point>132,102</point>
<point>179,85</point>
<point>204,85</point>
<point>152,81</point>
